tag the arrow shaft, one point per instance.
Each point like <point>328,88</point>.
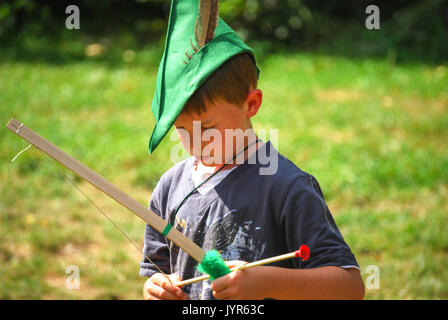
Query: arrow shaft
<point>242,267</point>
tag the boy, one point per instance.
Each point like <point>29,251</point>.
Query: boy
<point>223,197</point>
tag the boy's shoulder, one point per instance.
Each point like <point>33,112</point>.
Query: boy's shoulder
<point>175,174</point>
<point>283,174</point>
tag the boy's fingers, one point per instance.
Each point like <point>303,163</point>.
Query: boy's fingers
<point>235,263</point>
<point>162,281</point>
<point>220,283</point>
<point>160,293</point>
<point>225,294</point>
<point>165,288</point>
<point>175,278</point>
<point>169,284</point>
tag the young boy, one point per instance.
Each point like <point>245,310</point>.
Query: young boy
<point>254,204</point>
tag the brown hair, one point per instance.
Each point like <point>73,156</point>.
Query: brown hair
<point>230,82</point>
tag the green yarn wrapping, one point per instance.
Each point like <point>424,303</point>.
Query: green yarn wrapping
<point>213,265</point>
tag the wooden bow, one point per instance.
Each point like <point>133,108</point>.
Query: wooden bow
<point>107,187</point>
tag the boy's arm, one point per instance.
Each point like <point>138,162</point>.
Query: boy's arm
<point>304,219</point>
<point>156,249</point>
<point>327,282</point>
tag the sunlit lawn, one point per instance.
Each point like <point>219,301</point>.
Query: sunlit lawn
<point>374,135</point>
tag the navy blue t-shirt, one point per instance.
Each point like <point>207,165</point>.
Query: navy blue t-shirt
<point>248,216</point>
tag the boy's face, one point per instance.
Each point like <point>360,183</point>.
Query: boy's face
<point>216,135</point>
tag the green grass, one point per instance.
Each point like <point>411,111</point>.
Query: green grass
<point>373,134</point>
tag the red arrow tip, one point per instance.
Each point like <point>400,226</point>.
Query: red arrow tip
<point>303,252</point>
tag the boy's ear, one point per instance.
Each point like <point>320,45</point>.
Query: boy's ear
<point>253,101</point>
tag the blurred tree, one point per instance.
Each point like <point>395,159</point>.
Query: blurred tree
<point>142,18</point>
<point>417,27</point>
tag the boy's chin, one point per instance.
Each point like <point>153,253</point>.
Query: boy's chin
<point>208,161</point>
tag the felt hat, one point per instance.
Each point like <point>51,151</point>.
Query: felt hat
<point>197,43</point>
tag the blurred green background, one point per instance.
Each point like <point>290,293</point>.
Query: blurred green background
<point>365,111</point>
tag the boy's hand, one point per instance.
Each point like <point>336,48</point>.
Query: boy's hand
<point>247,284</point>
<point>158,287</point>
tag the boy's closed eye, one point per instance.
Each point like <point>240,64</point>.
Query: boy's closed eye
<point>202,127</point>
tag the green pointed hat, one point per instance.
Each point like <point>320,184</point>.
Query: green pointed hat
<point>197,43</point>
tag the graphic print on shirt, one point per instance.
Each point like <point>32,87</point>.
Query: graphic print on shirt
<point>232,235</point>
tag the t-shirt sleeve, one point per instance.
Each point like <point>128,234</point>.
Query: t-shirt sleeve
<point>306,219</point>
<point>155,244</point>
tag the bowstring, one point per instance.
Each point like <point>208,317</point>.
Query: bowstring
<point>102,212</point>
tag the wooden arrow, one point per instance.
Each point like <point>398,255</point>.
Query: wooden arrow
<point>303,253</point>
